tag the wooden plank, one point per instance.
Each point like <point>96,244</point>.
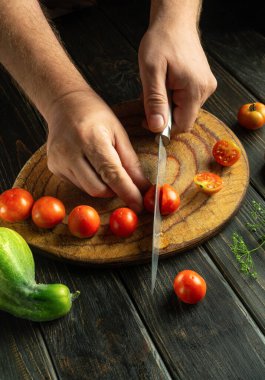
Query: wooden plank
<point>103,336</point>
<point>250,291</point>
<point>215,339</point>
<point>23,354</point>
<point>242,54</point>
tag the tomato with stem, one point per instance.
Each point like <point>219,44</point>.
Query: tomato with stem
<point>252,115</point>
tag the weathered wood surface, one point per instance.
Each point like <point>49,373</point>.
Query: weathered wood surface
<point>237,341</point>
<point>188,154</point>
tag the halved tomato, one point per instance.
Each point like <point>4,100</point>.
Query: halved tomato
<point>226,153</point>
<point>210,183</point>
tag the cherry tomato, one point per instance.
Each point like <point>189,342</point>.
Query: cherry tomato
<point>83,221</point>
<point>208,182</point>
<point>189,286</point>
<point>251,115</point>
<point>169,199</point>
<point>47,212</point>
<point>123,222</point>
<point>15,205</point>
<point>226,153</point>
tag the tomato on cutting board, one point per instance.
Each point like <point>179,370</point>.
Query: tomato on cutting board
<point>15,205</point>
<point>209,183</point>
<point>83,221</point>
<point>123,222</point>
<point>169,199</point>
<point>47,212</point>
<point>189,286</point>
<point>226,153</point>
<point>251,115</point>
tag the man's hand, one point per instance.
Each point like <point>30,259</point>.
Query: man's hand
<point>171,57</point>
<point>88,146</point>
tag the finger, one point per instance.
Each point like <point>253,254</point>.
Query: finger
<point>186,110</point>
<point>130,161</point>
<point>89,180</point>
<point>153,79</point>
<point>108,165</point>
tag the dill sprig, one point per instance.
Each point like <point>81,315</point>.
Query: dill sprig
<point>242,253</point>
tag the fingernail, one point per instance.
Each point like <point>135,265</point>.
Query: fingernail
<point>156,123</point>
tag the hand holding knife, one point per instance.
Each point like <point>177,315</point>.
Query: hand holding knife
<point>163,139</point>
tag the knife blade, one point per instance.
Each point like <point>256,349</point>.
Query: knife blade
<point>163,139</point>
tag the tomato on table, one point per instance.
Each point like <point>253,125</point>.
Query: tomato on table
<point>169,199</point>
<point>209,183</point>
<point>123,222</point>
<point>251,115</point>
<point>226,153</point>
<point>47,212</point>
<point>189,286</point>
<point>83,221</point>
<point>15,205</point>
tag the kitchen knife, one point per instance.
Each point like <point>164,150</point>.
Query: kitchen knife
<point>162,139</point>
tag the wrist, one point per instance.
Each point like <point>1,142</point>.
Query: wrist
<point>176,14</point>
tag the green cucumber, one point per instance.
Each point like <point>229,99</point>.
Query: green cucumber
<point>20,295</point>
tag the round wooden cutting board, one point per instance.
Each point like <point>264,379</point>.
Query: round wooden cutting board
<point>199,217</point>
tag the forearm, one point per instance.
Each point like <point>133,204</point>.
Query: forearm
<point>176,12</point>
<point>32,54</point>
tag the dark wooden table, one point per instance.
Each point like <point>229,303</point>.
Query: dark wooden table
<point>117,330</point>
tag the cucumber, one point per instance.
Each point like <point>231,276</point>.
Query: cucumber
<point>20,295</point>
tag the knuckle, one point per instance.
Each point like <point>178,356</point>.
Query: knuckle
<point>212,85</point>
<point>155,99</point>
<point>110,173</point>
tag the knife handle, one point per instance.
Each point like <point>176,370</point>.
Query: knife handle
<point>165,135</point>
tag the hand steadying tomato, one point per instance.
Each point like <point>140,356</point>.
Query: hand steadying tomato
<point>15,205</point>
<point>83,221</point>
<point>169,199</point>
<point>189,286</point>
<point>47,212</point>
<point>251,115</point>
<point>226,153</point>
<point>123,222</point>
<point>209,183</point>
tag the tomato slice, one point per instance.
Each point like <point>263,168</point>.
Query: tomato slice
<point>226,153</point>
<point>210,183</point>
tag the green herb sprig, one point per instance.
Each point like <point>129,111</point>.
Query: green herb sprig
<point>242,253</point>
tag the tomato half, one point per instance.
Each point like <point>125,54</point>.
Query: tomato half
<point>226,153</point>
<point>83,221</point>
<point>189,286</point>
<point>210,183</point>
<point>15,205</point>
<point>123,222</point>
<point>47,212</point>
<point>169,199</point>
<point>251,115</point>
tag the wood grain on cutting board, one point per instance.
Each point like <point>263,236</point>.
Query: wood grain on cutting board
<point>199,217</point>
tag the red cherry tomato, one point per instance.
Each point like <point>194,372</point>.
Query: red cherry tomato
<point>209,183</point>
<point>226,153</point>
<point>15,205</point>
<point>251,115</point>
<point>47,212</point>
<point>83,221</point>
<point>123,222</point>
<point>169,199</point>
<point>189,286</point>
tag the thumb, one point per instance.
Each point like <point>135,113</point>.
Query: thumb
<point>155,98</point>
